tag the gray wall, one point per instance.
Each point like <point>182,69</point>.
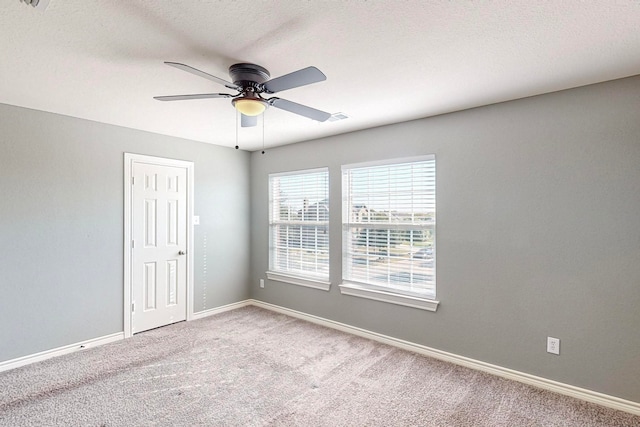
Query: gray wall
<point>61,226</point>
<point>538,234</point>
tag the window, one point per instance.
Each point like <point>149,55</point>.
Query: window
<point>299,228</point>
<point>388,218</point>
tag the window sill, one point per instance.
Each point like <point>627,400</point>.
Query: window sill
<point>390,297</point>
<point>294,280</point>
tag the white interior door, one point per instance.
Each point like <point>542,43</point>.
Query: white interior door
<point>159,246</point>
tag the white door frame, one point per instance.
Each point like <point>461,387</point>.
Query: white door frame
<point>129,160</point>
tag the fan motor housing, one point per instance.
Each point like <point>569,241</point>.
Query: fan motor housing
<point>248,75</point>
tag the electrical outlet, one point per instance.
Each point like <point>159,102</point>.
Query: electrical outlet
<point>262,283</point>
<point>553,345</point>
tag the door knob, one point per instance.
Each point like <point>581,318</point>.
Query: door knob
<point>181,253</point>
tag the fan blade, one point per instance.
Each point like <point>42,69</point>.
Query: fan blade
<point>303,77</point>
<point>197,96</point>
<point>207,76</point>
<point>300,109</point>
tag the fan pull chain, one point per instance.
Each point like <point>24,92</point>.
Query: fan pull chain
<point>262,133</point>
<point>237,129</point>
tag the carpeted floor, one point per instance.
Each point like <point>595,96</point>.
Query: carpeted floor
<point>252,367</point>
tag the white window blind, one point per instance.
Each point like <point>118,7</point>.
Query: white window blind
<point>299,224</point>
<point>389,214</point>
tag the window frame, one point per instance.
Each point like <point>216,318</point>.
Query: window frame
<point>293,276</point>
<point>359,288</point>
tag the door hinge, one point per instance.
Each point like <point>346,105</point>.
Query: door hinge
<point>133,244</point>
<point>133,307</point>
<point>133,180</point>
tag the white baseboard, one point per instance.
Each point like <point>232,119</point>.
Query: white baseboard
<point>543,383</point>
<point>216,310</point>
<point>539,382</point>
<point>48,354</point>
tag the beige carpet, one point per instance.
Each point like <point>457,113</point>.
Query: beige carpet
<point>252,367</point>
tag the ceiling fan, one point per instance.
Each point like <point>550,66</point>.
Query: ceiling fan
<point>252,82</point>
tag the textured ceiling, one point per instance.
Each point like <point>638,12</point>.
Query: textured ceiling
<point>386,61</point>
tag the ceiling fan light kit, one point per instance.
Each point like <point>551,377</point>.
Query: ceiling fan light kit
<point>251,81</point>
<point>250,106</point>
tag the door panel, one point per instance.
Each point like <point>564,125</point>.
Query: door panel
<point>159,230</point>
<point>150,286</point>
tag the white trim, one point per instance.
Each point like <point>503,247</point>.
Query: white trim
<point>210,312</point>
<point>55,352</point>
<point>129,159</point>
<point>309,283</point>
<point>532,380</point>
<point>390,297</point>
<point>95,342</point>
